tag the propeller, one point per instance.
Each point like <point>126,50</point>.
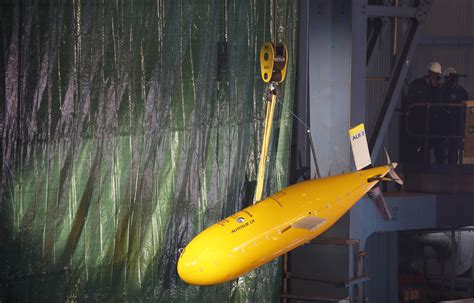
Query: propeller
<point>393,175</point>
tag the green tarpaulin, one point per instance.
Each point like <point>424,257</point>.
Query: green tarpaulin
<point>127,128</point>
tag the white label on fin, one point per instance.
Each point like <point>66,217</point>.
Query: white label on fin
<point>309,222</point>
<point>360,148</point>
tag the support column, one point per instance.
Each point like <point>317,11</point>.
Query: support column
<point>300,167</point>
<point>330,58</point>
<point>330,82</point>
<point>359,61</point>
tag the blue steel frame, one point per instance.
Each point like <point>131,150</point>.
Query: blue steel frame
<point>396,79</point>
<point>332,59</point>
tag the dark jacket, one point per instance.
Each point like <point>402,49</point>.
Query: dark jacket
<point>421,92</point>
<point>454,94</point>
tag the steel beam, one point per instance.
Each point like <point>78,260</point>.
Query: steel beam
<point>358,106</point>
<point>404,209</point>
<point>397,76</point>
<point>454,252</point>
<point>317,299</point>
<point>375,26</point>
<point>329,53</point>
<point>391,11</point>
<point>447,41</point>
<point>358,280</point>
<point>330,60</point>
<point>359,62</point>
<point>300,163</point>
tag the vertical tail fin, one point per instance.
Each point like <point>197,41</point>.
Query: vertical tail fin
<point>361,154</point>
<point>375,194</point>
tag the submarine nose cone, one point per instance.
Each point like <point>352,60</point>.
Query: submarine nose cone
<point>187,267</point>
<point>195,268</point>
<point>199,263</point>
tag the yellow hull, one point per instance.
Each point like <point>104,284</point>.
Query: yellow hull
<point>272,227</point>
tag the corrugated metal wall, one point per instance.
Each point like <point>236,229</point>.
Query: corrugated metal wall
<point>450,18</point>
<point>449,33</point>
<point>379,67</point>
<point>447,37</point>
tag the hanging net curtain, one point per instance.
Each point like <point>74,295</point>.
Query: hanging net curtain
<point>127,128</point>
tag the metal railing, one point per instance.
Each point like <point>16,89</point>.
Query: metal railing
<point>435,122</point>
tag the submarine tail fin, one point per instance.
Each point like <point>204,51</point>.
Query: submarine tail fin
<point>376,196</point>
<point>361,154</point>
<point>362,159</point>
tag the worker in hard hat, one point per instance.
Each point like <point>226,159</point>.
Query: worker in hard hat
<point>426,89</point>
<point>453,93</point>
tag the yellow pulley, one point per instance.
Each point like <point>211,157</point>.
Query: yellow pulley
<point>273,62</point>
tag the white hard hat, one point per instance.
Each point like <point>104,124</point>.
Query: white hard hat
<point>435,67</point>
<point>449,71</point>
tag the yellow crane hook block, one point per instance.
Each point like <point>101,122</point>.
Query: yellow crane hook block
<point>273,62</point>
